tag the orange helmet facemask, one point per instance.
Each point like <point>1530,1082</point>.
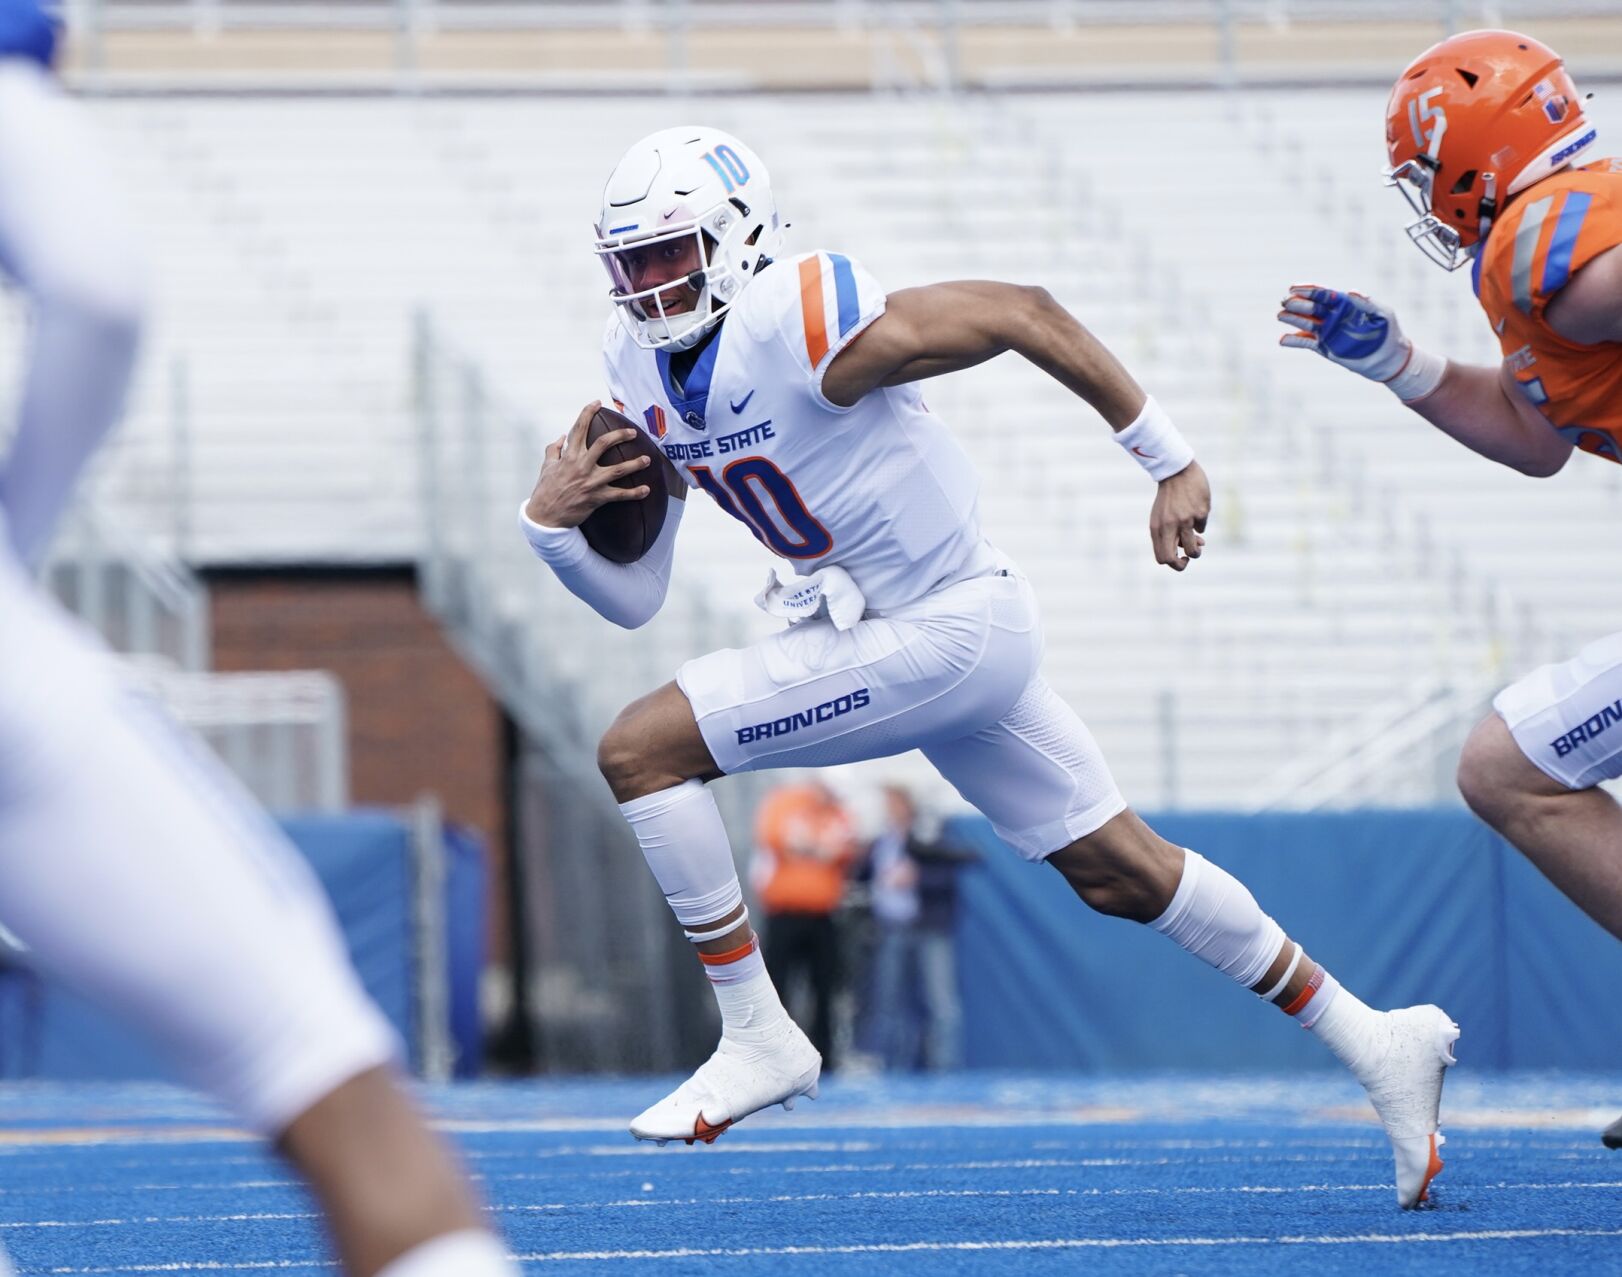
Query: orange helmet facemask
<point>1472,121</point>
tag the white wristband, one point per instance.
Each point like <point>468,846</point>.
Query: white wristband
<point>1155,444</point>
<point>558,546</point>
<point>1419,376</point>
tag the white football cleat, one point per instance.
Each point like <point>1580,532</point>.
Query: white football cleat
<point>733,1083</point>
<point>1406,1091</point>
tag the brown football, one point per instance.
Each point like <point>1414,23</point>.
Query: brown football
<point>623,531</point>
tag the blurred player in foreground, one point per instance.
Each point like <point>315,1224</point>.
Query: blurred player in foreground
<point>786,390</point>
<point>130,865</point>
<point>1485,131</point>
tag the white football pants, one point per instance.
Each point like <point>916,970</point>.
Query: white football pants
<point>954,675</point>
<point>139,874</point>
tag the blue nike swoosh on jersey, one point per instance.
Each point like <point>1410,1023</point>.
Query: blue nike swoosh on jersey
<point>742,403</point>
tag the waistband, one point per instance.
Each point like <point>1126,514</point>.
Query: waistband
<point>983,561</point>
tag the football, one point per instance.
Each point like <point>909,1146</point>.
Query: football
<point>623,531</point>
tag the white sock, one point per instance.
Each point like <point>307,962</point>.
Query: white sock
<point>472,1253</point>
<point>685,844</point>
<point>1357,1035</point>
<point>752,1014</point>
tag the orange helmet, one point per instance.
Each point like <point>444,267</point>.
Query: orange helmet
<point>1472,121</point>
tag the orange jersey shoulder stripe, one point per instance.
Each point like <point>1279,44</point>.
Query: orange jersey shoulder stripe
<point>1546,235</point>
<point>811,309</point>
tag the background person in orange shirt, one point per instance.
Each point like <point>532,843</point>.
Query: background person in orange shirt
<point>804,845</point>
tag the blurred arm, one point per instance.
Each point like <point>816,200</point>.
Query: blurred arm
<point>61,239</point>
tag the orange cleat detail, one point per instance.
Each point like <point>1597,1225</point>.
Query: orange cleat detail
<point>1431,1171</point>
<point>702,1130</point>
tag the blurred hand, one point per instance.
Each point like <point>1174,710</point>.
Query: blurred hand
<point>1182,505</point>
<point>571,484</point>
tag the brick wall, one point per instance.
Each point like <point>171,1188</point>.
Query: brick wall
<point>419,719</point>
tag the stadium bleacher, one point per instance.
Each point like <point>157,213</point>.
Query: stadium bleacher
<point>1351,563</point>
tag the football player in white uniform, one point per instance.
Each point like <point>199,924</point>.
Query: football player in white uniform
<point>785,388</point>
<point>130,865</point>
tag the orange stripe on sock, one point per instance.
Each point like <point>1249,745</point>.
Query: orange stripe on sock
<point>1305,996</point>
<point>816,327</point>
<point>731,955</point>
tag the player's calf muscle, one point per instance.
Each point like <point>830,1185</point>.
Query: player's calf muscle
<point>1124,870</point>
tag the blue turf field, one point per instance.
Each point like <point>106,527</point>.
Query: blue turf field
<point>975,1174</point>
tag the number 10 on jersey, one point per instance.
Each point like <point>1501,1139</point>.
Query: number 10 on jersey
<point>787,527</point>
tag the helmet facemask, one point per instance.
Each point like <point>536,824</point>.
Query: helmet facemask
<point>725,237</point>
<point>1443,244</point>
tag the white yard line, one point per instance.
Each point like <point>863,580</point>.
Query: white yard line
<point>790,1199</point>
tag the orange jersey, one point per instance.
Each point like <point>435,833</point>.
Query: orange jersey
<point>1549,233</point>
<point>808,843</point>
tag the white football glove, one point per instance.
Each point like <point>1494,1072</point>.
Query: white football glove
<point>1357,332</point>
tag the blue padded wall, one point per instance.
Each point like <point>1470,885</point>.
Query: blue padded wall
<point>1404,907</point>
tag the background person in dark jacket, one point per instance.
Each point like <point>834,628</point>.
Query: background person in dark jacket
<point>914,876</point>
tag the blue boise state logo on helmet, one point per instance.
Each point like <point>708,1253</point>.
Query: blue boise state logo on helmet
<point>28,30</point>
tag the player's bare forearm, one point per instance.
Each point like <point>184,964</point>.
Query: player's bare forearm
<point>941,328</point>
<point>1475,406</point>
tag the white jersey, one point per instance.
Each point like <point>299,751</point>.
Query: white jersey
<point>882,488</point>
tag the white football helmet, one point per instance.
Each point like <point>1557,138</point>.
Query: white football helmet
<point>675,183</point>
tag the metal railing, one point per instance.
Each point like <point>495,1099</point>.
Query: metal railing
<point>1380,753</point>
<point>916,41</point>
<point>1404,751</point>
<point>1399,754</point>
<point>213,16</point>
<point>284,735</point>
<point>141,601</point>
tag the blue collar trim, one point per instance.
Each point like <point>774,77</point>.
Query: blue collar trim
<point>692,402</point>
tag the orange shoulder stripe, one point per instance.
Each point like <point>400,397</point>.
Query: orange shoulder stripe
<point>816,326</point>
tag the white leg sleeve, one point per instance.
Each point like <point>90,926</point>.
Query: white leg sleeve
<point>138,873</point>
<point>467,1254</point>
<point>1216,919</point>
<point>685,844</point>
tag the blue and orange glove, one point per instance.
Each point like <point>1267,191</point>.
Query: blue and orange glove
<point>1357,332</point>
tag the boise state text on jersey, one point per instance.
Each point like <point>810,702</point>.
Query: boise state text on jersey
<point>881,488</point>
